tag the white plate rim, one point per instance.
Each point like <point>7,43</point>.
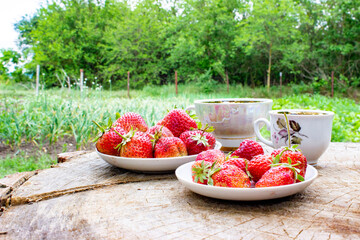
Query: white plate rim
<point>245,194</point>
<point>149,164</point>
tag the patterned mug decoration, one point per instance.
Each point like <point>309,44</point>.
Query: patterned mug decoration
<point>281,133</point>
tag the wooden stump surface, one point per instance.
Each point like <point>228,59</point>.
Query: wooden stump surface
<point>86,198</point>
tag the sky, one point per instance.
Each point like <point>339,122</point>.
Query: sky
<point>12,11</point>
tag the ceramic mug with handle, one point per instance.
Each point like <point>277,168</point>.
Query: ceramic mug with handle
<point>309,129</point>
<point>232,118</point>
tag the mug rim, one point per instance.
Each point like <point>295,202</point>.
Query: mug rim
<point>323,112</point>
<point>212,101</point>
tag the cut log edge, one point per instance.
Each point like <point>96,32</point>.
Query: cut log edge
<point>14,201</point>
<point>9,184</point>
<point>67,156</point>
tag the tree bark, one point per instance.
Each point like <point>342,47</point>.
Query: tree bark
<point>227,81</point>
<point>269,68</point>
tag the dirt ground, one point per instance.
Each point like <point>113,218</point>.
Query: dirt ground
<point>32,149</point>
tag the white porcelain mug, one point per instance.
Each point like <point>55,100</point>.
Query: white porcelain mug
<point>232,118</point>
<point>309,129</point>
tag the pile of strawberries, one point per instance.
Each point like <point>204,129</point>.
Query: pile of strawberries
<point>177,134</point>
<point>248,166</point>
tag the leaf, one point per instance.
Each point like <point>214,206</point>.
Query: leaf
<point>281,123</point>
<point>294,126</point>
<point>296,140</point>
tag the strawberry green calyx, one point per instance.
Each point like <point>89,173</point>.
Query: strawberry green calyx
<point>203,172</point>
<point>156,136</point>
<point>126,138</point>
<point>200,173</point>
<point>206,128</point>
<point>247,170</point>
<point>292,149</point>
<point>200,139</point>
<point>193,116</point>
<point>102,129</point>
<point>211,172</point>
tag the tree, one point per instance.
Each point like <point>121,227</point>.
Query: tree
<point>134,41</point>
<point>271,27</point>
<point>9,58</point>
<point>205,38</point>
<point>334,38</point>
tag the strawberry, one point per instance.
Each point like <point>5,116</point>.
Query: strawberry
<point>169,147</point>
<point>131,120</point>
<point>238,162</point>
<point>200,172</point>
<point>248,149</point>
<point>276,152</point>
<point>157,132</point>
<point>136,145</point>
<point>276,176</point>
<point>160,130</point>
<point>259,165</point>
<point>295,157</point>
<point>198,141</point>
<point>280,174</point>
<point>211,156</point>
<point>178,121</point>
<point>230,176</point>
<point>108,141</point>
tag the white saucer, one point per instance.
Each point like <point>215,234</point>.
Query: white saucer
<point>183,173</point>
<point>152,165</point>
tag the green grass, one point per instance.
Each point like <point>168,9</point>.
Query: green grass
<point>56,114</point>
<point>22,163</point>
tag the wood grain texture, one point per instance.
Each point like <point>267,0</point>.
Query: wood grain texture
<point>11,182</point>
<point>164,209</point>
<point>67,156</point>
<point>86,172</point>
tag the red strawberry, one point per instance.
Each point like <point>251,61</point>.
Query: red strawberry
<point>157,132</point>
<point>164,131</point>
<point>230,176</point>
<point>200,171</point>
<point>238,162</point>
<point>136,145</point>
<point>259,165</point>
<point>248,149</point>
<point>169,147</point>
<point>276,152</point>
<point>109,140</point>
<point>296,158</point>
<point>131,120</point>
<point>198,141</point>
<point>276,176</point>
<point>211,156</point>
<point>178,121</point>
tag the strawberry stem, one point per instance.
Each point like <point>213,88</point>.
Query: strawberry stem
<point>288,129</point>
<point>100,127</point>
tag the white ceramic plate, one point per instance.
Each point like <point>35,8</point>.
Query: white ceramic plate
<point>183,173</point>
<point>153,165</point>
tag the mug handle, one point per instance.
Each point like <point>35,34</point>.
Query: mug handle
<point>189,108</point>
<point>257,131</point>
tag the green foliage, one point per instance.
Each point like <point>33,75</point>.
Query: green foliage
<point>305,40</point>
<point>22,162</point>
<point>62,114</point>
